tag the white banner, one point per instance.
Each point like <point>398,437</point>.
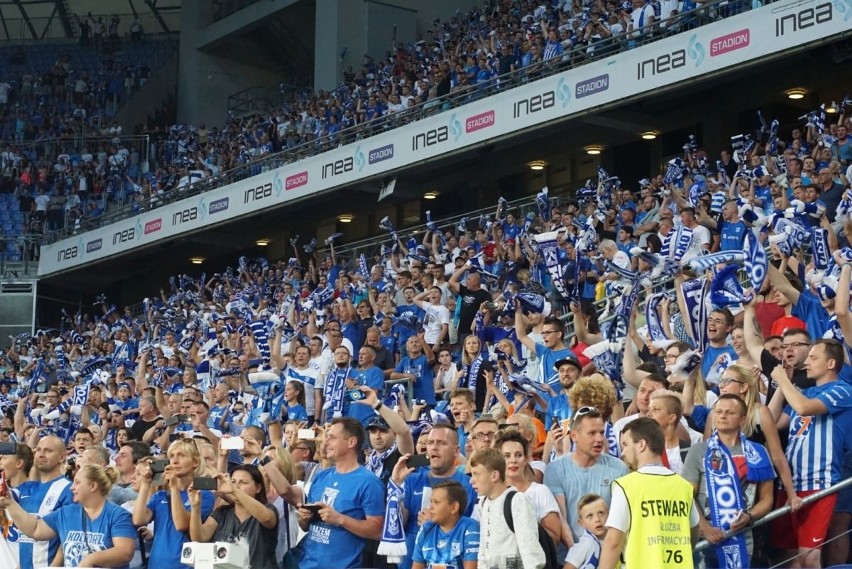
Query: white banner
<point>767,31</point>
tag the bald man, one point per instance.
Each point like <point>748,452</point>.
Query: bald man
<point>47,493</point>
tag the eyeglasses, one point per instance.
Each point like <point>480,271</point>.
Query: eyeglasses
<point>546,332</point>
<point>670,356</point>
<point>795,345</point>
<point>303,449</point>
<point>726,381</point>
<point>484,436</point>
<point>582,411</point>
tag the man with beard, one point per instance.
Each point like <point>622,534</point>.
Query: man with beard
<point>585,470</point>
<point>559,407</point>
<point>417,484</point>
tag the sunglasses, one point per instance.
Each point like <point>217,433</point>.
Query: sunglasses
<point>582,411</point>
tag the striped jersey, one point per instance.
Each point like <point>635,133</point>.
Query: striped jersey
<point>816,444</point>
<point>41,498</point>
<point>310,378</point>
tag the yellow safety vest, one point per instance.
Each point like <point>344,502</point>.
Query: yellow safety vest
<point>659,534</point>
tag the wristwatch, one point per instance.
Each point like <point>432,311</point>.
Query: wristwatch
<point>265,460</point>
<point>378,406</point>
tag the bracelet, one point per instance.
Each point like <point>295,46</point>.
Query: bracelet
<point>378,406</point>
<point>750,517</point>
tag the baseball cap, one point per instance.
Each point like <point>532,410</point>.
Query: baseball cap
<point>570,361</point>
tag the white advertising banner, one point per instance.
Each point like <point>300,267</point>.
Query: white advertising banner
<point>725,44</point>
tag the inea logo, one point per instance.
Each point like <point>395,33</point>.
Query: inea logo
<point>360,162</point>
<point>809,17</point>
<point>202,209</point>
<point>455,127</point>
<point>277,185</point>
<point>563,92</point>
<point>695,50</point>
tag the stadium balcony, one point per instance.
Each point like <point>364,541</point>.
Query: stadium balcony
<point>577,57</point>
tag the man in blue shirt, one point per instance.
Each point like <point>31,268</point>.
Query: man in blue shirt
<point>365,374</point>
<point>47,494</point>
<point>417,368</point>
<point>551,350</point>
<point>417,485</point>
<point>350,501</point>
<point>732,228</point>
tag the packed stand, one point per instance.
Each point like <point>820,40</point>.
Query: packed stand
<point>466,55</point>
<point>429,406</point>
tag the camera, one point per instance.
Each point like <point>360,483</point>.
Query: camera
<point>355,395</point>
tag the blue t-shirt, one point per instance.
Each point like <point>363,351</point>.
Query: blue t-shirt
<point>414,498</point>
<point>548,359</point>
<point>35,554</point>
<point>296,412</point>
<point>373,378</point>
<point>816,445</point>
<point>558,407</point>
<point>97,535</point>
<point>168,541</point>
<point>434,546</point>
<point>809,309</point>
<point>710,355</point>
<point>356,494</point>
<point>219,418</point>
<point>424,385</point>
<point>732,235</point>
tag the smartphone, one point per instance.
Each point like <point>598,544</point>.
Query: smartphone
<point>355,395</point>
<point>232,443</point>
<point>158,466</point>
<point>204,483</point>
<point>307,434</point>
<point>172,421</point>
<point>175,437</point>
<point>418,460</point>
<point>314,508</point>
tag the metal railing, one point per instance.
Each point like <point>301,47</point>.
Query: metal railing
<point>578,56</point>
<point>19,255</point>
<point>48,149</point>
<point>46,28</point>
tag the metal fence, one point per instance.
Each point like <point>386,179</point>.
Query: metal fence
<point>19,255</point>
<point>575,57</point>
<point>47,150</point>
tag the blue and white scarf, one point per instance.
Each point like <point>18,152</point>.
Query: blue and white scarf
<point>261,338</point>
<point>652,317</point>
<point>706,262</point>
<point>335,388</point>
<point>695,298</point>
<point>472,373</point>
<point>393,532</point>
<point>725,497</point>
<point>756,263</point>
<point>725,289</point>
<point>549,251</point>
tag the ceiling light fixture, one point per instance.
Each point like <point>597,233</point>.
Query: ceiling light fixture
<point>262,242</point>
<point>196,260</point>
<point>537,165</point>
<point>430,195</point>
<point>796,93</point>
<point>593,149</point>
<point>345,218</point>
<point>650,135</point>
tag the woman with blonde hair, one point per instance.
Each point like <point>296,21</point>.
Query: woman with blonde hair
<point>93,531</point>
<point>759,425</point>
<point>597,391</point>
<point>286,494</point>
<point>473,368</point>
<point>166,507</point>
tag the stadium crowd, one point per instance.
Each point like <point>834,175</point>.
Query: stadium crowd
<point>467,57</point>
<point>429,405</point>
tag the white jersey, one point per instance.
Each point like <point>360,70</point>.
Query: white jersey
<point>309,377</point>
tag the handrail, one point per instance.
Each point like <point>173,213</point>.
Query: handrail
<point>574,57</point>
<point>704,544</point>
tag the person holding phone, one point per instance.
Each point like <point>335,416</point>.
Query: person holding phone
<point>168,508</point>
<point>249,517</point>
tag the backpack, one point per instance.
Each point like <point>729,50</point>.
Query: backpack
<point>544,539</point>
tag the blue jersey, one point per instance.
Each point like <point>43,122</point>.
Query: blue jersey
<point>417,499</point>
<point>433,546</point>
<point>219,418</point>
<point>548,359</point>
<point>356,494</point>
<point>168,541</point>
<point>296,412</point>
<point>373,378</point>
<point>710,356</point>
<point>816,444</point>
<point>424,384</point>
<point>809,309</point>
<point>732,236</point>
<point>78,540</point>
<point>42,498</point>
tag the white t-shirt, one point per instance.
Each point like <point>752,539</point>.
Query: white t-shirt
<point>700,238</point>
<point>542,500</point>
<point>436,316</point>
